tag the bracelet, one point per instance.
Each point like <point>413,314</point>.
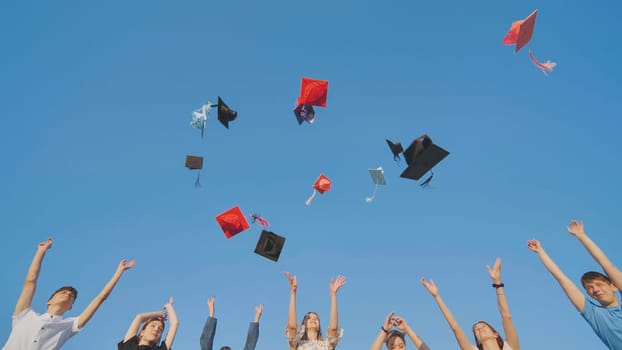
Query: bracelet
<point>384,330</point>
<point>498,285</point>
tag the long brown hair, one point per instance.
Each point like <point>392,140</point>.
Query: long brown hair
<point>478,344</point>
<point>154,319</point>
<point>303,324</point>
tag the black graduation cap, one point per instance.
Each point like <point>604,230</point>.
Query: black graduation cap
<point>396,149</point>
<point>421,156</point>
<point>270,245</point>
<point>195,163</point>
<point>225,114</point>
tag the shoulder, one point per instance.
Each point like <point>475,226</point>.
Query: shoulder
<point>130,344</point>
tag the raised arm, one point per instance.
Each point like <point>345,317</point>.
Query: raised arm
<point>253,329</point>
<point>382,333</point>
<point>30,283</point>
<point>173,323</point>
<point>209,329</point>
<point>401,324</point>
<point>574,294</point>
<point>335,285</point>
<point>615,275</point>
<point>138,320</point>
<point>463,340</point>
<point>90,310</point>
<point>504,308</point>
<point>291,315</point>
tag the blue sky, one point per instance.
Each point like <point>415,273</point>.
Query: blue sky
<point>96,102</point>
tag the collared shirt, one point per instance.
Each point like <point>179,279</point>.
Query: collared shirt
<point>31,331</point>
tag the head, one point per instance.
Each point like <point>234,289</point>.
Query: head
<point>225,348</point>
<point>151,332</point>
<point>395,340</point>
<point>311,321</point>
<point>599,287</point>
<point>63,298</point>
<point>482,332</point>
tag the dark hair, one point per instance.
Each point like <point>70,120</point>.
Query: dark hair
<point>390,338</point>
<point>593,276</point>
<point>478,344</point>
<point>303,324</point>
<point>69,288</point>
<point>225,348</point>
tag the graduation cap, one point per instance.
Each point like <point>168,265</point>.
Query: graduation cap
<point>313,92</point>
<point>199,117</point>
<point>225,114</point>
<point>260,220</point>
<point>377,175</point>
<point>396,149</point>
<point>521,31</point>
<point>270,245</point>
<point>195,163</point>
<point>421,156</point>
<point>321,185</point>
<point>232,222</point>
<point>304,113</point>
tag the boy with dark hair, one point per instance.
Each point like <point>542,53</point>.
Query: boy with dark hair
<point>604,315</point>
<point>31,330</point>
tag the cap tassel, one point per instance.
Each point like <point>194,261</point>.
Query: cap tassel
<point>197,183</point>
<point>426,182</point>
<point>311,198</point>
<point>373,195</point>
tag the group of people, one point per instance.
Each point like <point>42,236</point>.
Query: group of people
<point>603,312</point>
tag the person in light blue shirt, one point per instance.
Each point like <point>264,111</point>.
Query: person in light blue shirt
<point>604,313</point>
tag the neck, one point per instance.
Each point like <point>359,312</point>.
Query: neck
<point>490,344</point>
<point>56,310</point>
<point>312,334</point>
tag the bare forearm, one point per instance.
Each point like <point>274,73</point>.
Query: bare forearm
<point>334,316</point>
<point>413,336</point>
<point>377,344</point>
<point>601,258</point>
<point>291,315</point>
<point>461,337</point>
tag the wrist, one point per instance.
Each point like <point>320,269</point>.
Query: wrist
<point>384,330</point>
<point>498,285</point>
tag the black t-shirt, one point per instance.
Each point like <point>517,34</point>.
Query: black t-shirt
<point>132,344</point>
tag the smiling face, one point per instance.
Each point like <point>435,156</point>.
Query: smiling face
<point>484,332</point>
<point>602,290</point>
<point>151,332</point>
<point>312,321</point>
<point>395,341</point>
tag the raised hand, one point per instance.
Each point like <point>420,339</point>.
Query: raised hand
<point>401,324</point>
<point>495,271</point>
<point>389,322</point>
<point>258,312</point>
<point>168,305</point>
<point>45,245</point>
<point>576,228</point>
<point>126,265</point>
<point>337,283</point>
<point>211,305</point>
<point>293,282</point>
<point>534,245</point>
<point>430,286</point>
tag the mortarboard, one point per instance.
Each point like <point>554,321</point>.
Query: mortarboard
<point>321,185</point>
<point>232,222</point>
<point>377,175</point>
<point>225,114</point>
<point>270,245</point>
<point>195,163</point>
<point>421,156</point>
<point>199,117</point>
<point>260,220</point>
<point>313,92</point>
<point>521,31</point>
<point>304,112</point>
<point>396,149</point>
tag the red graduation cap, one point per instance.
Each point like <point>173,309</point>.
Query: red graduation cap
<point>232,222</point>
<point>321,185</point>
<point>313,92</point>
<point>521,31</point>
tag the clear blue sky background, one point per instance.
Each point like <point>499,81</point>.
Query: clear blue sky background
<point>96,101</point>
